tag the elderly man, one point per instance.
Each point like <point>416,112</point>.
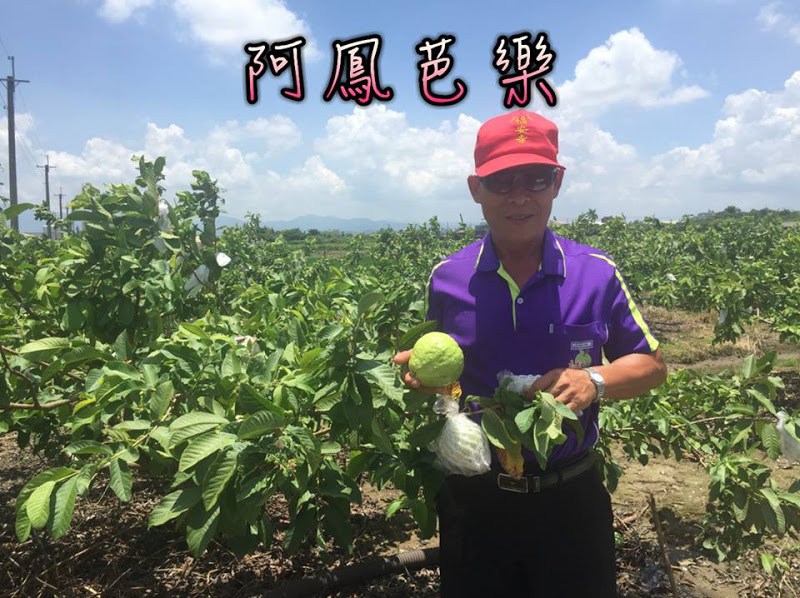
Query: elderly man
<point>527,300</point>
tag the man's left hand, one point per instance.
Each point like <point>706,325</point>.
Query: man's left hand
<point>572,387</point>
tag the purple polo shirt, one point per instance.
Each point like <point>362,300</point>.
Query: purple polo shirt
<point>575,311</point>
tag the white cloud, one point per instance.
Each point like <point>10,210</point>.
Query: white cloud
<point>121,10</point>
<point>170,142</point>
<point>626,70</point>
<point>224,27</point>
<point>314,176</point>
<point>377,141</point>
<point>757,139</point>
<point>772,18</point>
<point>100,160</point>
<point>749,162</point>
<point>269,137</point>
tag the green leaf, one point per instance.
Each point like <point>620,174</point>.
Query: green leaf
<point>121,345</point>
<point>299,528</point>
<point>88,447</point>
<point>560,408</point>
<point>22,525</point>
<point>771,439</point>
<point>524,419</point>
<point>385,377</point>
<point>197,417</point>
<point>790,498</point>
<point>740,503</point>
<point>182,434</point>
<point>203,446</point>
<point>121,480</point>
<point>38,505</point>
<point>396,505</point>
<point>335,522</point>
<point>765,402</point>
<point>217,477</point>
<point>767,560</point>
<point>201,528</point>
<point>193,330</point>
<point>133,425</point>
<point>496,431</point>
<point>427,433</point>
<point>381,438</point>
<point>272,364</point>
<point>150,373</point>
<point>174,504</point>
<point>259,424</point>
<point>44,348</point>
<point>159,401</point>
<point>14,211</point>
<point>55,474</point>
<point>425,517</point>
<point>64,507</point>
<point>368,301</point>
<point>331,447</point>
<point>88,215</point>
<point>231,365</point>
<point>747,366</point>
<point>775,503</point>
<point>82,355</point>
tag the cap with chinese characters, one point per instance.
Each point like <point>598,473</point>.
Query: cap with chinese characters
<point>515,139</point>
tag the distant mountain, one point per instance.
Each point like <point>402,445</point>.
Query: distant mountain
<point>347,225</point>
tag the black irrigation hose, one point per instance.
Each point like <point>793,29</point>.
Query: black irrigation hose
<point>370,568</point>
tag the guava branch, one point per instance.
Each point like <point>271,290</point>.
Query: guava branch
<point>6,351</point>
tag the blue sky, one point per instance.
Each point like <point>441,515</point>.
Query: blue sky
<point>666,107</point>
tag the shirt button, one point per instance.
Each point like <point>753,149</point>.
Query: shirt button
<point>520,300</point>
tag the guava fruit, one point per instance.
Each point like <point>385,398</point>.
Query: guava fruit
<point>436,360</point>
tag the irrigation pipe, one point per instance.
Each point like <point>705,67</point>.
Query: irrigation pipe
<point>327,581</point>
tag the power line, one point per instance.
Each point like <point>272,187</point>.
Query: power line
<point>4,46</point>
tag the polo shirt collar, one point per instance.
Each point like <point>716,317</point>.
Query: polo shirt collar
<point>552,255</point>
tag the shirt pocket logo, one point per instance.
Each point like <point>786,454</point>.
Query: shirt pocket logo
<point>580,345</point>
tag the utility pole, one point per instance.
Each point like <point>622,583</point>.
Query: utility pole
<point>60,208</point>
<point>47,168</point>
<point>10,84</point>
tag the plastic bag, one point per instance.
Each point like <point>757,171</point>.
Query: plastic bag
<point>462,447</point>
<point>789,445</point>
<point>518,384</point>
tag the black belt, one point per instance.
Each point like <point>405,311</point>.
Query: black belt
<point>536,483</point>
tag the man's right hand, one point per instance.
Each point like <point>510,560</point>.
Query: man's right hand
<point>402,358</point>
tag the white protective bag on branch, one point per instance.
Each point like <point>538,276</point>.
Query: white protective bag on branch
<point>462,447</point>
<point>789,445</point>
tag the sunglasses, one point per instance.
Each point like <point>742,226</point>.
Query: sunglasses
<point>535,178</point>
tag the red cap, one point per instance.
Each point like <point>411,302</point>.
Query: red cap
<point>514,139</point>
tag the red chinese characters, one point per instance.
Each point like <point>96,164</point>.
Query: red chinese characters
<point>521,61</point>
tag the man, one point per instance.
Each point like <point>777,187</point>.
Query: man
<point>526,300</point>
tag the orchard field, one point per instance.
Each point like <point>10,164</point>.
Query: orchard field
<point>214,411</point>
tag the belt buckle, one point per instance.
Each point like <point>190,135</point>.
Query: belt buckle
<point>506,482</point>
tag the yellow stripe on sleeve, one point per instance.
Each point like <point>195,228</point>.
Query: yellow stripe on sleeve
<point>637,317</point>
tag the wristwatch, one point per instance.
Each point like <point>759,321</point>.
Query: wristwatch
<point>598,381</point>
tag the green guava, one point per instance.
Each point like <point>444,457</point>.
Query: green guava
<point>436,360</point>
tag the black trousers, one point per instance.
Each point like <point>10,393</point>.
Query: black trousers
<point>558,542</point>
